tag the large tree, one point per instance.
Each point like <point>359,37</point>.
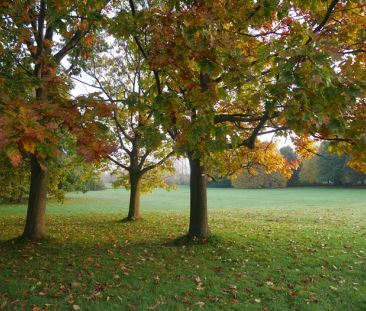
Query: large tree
<point>236,70</point>
<point>35,110</point>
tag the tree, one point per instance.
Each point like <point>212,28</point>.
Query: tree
<point>257,178</point>
<point>309,171</point>
<point>221,183</point>
<point>333,169</point>
<point>69,173</point>
<point>36,36</point>
<point>237,70</point>
<point>14,182</point>
<point>143,156</point>
<point>291,156</point>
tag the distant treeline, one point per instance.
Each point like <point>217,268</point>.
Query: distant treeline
<point>327,169</point>
<point>324,168</point>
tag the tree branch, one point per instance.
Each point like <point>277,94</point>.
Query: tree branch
<point>41,19</point>
<point>235,118</point>
<point>326,17</point>
<point>127,168</point>
<point>143,159</point>
<point>79,34</point>
<point>143,52</point>
<point>155,165</point>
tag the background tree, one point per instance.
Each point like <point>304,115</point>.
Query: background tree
<point>35,37</point>
<point>14,182</point>
<point>261,167</point>
<point>143,157</point>
<point>69,173</point>
<point>334,169</point>
<point>221,183</point>
<point>181,172</point>
<point>291,156</point>
<point>259,179</point>
<point>308,174</point>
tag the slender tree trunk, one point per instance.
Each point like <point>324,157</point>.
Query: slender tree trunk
<point>198,221</point>
<point>35,222</point>
<point>20,197</point>
<point>134,207</point>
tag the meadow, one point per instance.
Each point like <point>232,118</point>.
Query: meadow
<point>275,249</point>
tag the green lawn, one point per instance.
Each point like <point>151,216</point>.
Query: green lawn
<point>280,249</point>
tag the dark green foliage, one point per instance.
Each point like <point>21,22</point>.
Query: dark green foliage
<point>328,168</point>
<point>70,173</point>
<point>224,183</point>
<point>14,182</point>
<point>333,169</point>
<point>82,179</point>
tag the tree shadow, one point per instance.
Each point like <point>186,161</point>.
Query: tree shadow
<point>186,240</point>
<point>21,241</point>
<point>129,220</point>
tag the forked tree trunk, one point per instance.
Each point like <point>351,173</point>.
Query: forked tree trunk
<point>134,207</point>
<point>198,221</point>
<point>35,222</point>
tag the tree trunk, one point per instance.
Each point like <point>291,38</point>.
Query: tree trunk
<point>35,222</point>
<point>20,197</point>
<point>198,221</point>
<point>134,208</point>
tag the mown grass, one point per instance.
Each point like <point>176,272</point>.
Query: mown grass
<point>291,249</point>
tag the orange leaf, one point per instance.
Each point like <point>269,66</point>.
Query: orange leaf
<point>15,158</point>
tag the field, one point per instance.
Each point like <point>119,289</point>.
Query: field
<point>280,249</point>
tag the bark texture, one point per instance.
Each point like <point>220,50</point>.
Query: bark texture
<point>134,207</point>
<point>35,222</point>
<point>198,222</point>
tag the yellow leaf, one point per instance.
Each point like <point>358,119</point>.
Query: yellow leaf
<point>29,145</point>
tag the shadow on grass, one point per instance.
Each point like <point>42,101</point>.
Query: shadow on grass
<point>186,240</point>
<point>57,245</point>
<point>21,242</point>
<point>129,220</point>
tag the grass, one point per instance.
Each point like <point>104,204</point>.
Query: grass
<point>286,249</point>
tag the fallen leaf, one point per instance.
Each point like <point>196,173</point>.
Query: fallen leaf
<point>200,286</point>
<point>75,284</point>
<point>312,299</point>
